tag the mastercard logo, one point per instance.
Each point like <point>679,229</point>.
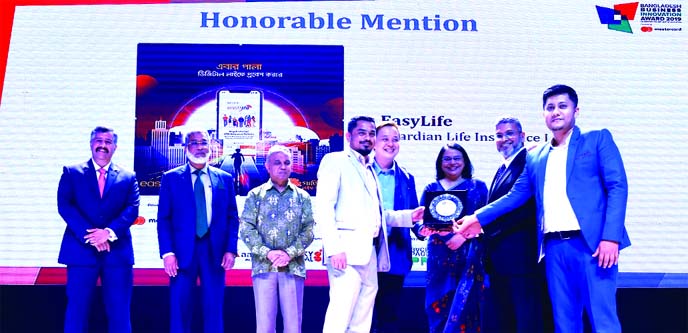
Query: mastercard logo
<point>646,29</point>
<point>139,220</point>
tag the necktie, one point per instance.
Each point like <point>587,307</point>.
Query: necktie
<point>201,214</point>
<point>101,181</point>
<point>500,172</point>
<point>497,178</point>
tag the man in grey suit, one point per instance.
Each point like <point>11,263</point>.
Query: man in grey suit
<point>353,226</point>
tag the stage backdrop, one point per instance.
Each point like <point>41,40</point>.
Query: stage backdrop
<point>257,74</point>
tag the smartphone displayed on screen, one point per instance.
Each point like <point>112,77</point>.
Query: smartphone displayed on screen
<point>239,118</point>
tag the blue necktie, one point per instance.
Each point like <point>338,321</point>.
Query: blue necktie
<point>500,172</point>
<point>497,178</point>
<point>201,213</point>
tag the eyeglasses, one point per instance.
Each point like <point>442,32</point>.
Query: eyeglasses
<point>198,143</point>
<point>455,159</point>
<point>507,134</point>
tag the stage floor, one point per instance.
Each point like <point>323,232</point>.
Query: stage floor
<point>41,309</point>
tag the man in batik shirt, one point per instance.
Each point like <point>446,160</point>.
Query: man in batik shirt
<point>277,226</point>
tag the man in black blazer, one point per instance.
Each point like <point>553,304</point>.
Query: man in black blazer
<point>99,201</point>
<point>517,297</point>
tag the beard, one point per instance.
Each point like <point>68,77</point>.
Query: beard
<point>364,151</point>
<point>197,160</point>
<point>508,150</point>
<point>365,148</point>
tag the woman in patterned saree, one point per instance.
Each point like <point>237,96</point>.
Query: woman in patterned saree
<point>455,275</point>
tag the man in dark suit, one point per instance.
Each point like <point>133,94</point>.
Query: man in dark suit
<point>197,234</point>
<point>517,281</point>
<point>398,189</point>
<point>99,201</point>
<point>580,188</point>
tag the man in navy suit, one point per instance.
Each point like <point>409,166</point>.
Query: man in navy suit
<point>198,228</point>
<point>580,188</point>
<point>99,201</point>
<point>516,297</point>
<point>398,189</point>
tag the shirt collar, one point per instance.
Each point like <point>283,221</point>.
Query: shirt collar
<point>379,171</point>
<point>508,161</point>
<point>205,168</point>
<point>270,185</point>
<point>565,145</point>
<point>359,157</point>
<point>106,167</point>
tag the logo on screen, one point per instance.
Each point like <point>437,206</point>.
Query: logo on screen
<point>618,18</point>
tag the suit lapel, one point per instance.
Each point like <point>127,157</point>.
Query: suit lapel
<point>215,184</point>
<point>399,190</point>
<point>360,169</point>
<point>541,165</point>
<point>112,174</point>
<point>187,184</point>
<point>91,178</point>
<point>570,157</point>
<point>214,179</point>
<point>91,173</point>
<point>497,183</point>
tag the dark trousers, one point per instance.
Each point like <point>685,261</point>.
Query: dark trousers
<point>387,302</point>
<point>517,303</point>
<point>212,277</point>
<point>116,284</point>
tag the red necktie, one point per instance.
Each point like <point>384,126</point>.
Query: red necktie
<point>101,181</point>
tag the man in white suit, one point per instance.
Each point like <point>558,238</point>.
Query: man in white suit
<point>352,224</point>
